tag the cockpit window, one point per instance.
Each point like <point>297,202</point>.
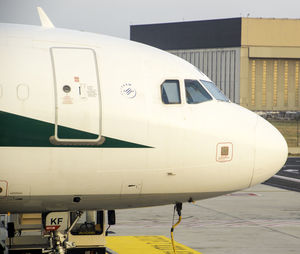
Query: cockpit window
<point>195,93</point>
<point>170,92</point>
<point>215,91</point>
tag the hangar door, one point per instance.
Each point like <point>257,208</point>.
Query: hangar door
<point>77,95</point>
<point>274,84</point>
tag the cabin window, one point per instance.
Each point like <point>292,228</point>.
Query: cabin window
<point>195,93</point>
<point>170,92</point>
<point>214,91</point>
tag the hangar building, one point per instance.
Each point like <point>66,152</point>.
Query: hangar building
<point>255,61</point>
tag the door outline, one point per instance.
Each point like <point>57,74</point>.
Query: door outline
<point>63,141</point>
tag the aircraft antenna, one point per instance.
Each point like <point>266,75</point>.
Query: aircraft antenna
<point>45,21</point>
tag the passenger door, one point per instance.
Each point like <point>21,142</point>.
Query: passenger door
<point>77,96</point>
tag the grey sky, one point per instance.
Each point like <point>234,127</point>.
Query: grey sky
<point>114,17</point>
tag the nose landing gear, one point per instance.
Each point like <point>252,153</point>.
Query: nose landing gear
<point>58,237</point>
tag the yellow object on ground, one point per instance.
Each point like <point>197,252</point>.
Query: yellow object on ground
<point>145,245</point>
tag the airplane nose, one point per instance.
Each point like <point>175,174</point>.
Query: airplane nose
<point>271,151</point>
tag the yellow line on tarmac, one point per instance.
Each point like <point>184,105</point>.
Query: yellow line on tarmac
<point>145,245</point>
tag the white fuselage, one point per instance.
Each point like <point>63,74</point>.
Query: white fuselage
<point>82,115</point>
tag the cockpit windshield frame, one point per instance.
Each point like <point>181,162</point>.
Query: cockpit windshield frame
<point>195,92</point>
<point>170,92</point>
<point>216,93</point>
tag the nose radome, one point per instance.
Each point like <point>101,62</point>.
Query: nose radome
<point>271,151</point>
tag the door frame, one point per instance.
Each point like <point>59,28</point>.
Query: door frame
<point>62,141</point>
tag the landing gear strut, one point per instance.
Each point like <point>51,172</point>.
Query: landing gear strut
<point>58,241</point>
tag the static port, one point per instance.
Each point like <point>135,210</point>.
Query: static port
<point>67,89</point>
<point>76,199</point>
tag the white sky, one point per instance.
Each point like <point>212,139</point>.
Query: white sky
<point>114,17</point>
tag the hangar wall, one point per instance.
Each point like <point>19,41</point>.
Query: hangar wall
<point>273,84</point>
<point>270,60</point>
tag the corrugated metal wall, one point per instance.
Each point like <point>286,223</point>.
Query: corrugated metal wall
<point>274,84</point>
<point>221,65</point>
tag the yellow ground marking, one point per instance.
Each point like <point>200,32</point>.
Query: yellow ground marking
<point>145,245</point>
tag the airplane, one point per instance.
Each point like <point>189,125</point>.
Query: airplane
<point>92,122</point>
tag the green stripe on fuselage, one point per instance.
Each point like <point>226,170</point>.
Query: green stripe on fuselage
<point>16,130</point>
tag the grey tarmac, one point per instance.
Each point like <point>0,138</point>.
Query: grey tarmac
<point>260,220</point>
